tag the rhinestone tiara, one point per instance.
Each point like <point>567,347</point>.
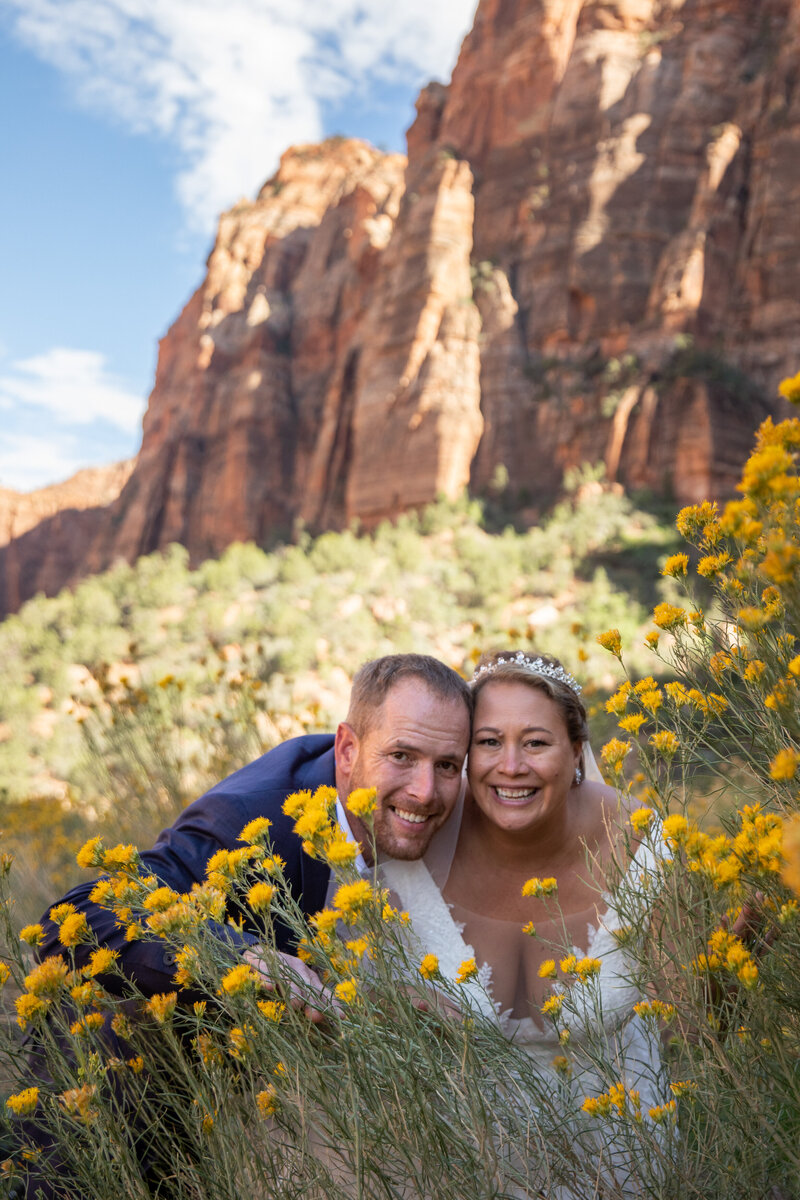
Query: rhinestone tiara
<point>536,666</point>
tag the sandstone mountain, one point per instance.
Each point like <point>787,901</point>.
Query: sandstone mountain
<point>591,254</point>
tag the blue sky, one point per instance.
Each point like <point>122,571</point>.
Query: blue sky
<point>130,124</point>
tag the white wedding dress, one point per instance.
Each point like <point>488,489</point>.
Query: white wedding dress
<point>608,1042</point>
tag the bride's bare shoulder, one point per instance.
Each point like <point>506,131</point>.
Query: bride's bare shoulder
<point>608,812</point>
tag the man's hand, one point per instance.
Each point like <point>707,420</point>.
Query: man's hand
<point>300,987</point>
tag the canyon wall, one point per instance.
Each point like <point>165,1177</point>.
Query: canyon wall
<point>591,254</point>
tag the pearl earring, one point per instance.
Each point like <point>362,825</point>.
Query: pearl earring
<point>578,776</point>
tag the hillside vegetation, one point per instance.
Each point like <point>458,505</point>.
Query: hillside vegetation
<point>129,696</point>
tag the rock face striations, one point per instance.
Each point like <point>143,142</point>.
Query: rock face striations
<point>590,254</point>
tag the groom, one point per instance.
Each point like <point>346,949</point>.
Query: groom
<point>406,734</point>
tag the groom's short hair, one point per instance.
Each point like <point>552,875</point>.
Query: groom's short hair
<point>374,680</point>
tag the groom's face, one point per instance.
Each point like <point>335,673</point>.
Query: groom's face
<point>412,752</point>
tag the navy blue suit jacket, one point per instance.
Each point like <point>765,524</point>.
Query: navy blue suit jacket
<point>212,823</point>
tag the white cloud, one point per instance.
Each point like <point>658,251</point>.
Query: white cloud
<point>29,461</point>
<point>232,85</point>
<point>73,386</point>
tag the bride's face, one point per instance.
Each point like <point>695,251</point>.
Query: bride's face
<point>521,762</point>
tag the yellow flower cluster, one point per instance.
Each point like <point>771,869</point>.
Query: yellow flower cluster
<point>641,819</point>
<point>24,1102</point>
<point>728,952</point>
<point>539,887</point>
<point>618,1099</point>
<point>655,1008</point>
<point>613,754</point>
<point>313,818</point>
<point>467,970</point>
<point>611,641</point>
<point>429,967</point>
<point>267,1102</point>
<point>676,565</point>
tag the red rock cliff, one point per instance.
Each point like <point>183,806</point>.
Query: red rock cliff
<point>589,255</point>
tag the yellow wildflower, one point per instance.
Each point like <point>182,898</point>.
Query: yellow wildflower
<point>697,519</point>
<point>162,1006</point>
<point>121,858</point>
<point>101,891</point>
<point>361,802</point>
<point>260,896</point>
<point>655,1008</point>
<point>30,1008</point>
<point>683,1087</point>
<point>48,977</point>
<point>641,819</point>
<point>586,968</point>
<point>676,829</point>
<point>101,960</point>
<point>552,1006</point>
<point>347,989</point>
<point>314,822</point>
<point>84,1026</point>
<point>61,911</point>
<point>340,852</point>
<point>160,900</point>
<point>24,1102</point>
<point>562,1065</point>
<point>652,639</point>
<point>675,565</point>
<point>293,805</point>
<point>255,830</point>
<point>351,898</point>
<point>665,742</point>
<point>651,700</point>
<point>569,964</point>
<point>667,616</point>
<point>32,934</point>
<point>784,765</point>
<point>790,388</point>
<point>273,1010</point>
<point>613,753</point>
<point>529,928</point>
<point>90,854</point>
<point>467,970</point>
<point>241,1041</point>
<point>611,641</point>
<point>539,887</point>
<point>267,1102</point>
<point>619,701</point>
<point>429,966</point>
<point>241,978</point>
<point>663,1112</point>
<point>632,723</point>
<point>5,974</point>
<point>711,564</point>
<point>547,970</point>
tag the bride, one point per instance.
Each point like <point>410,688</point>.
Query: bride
<point>520,879</point>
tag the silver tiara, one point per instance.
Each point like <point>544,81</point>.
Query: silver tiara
<point>536,666</point>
